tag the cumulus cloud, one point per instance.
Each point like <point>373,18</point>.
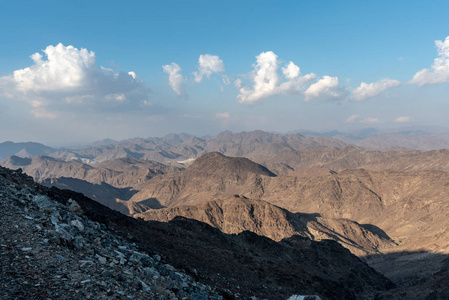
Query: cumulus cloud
<point>291,71</point>
<point>207,65</point>
<point>265,79</point>
<point>68,79</point>
<point>327,87</point>
<point>402,119</point>
<point>175,78</point>
<point>439,71</point>
<point>267,82</point>
<point>370,120</point>
<point>369,90</point>
<point>66,68</point>
<point>352,118</point>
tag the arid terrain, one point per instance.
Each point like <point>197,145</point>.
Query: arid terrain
<point>386,203</point>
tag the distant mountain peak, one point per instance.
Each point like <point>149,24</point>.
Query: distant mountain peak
<point>216,162</point>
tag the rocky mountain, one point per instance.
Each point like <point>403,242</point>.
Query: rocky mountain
<point>212,175</point>
<point>168,149</point>
<point>410,207</point>
<point>26,150</point>
<point>179,149</point>
<point>111,183</point>
<point>424,139</point>
<point>43,167</point>
<point>233,173</point>
<point>103,193</point>
<point>59,244</point>
<point>51,250</point>
<point>339,159</point>
<point>120,173</point>
<point>258,144</point>
<point>236,214</point>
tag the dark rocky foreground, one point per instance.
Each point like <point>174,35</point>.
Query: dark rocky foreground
<point>58,244</point>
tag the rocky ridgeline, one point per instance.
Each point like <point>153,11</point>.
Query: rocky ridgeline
<point>49,250</point>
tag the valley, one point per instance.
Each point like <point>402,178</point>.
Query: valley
<point>389,207</point>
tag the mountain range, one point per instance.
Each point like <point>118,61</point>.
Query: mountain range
<point>373,202</point>
<point>254,145</point>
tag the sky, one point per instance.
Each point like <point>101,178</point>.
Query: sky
<point>73,72</point>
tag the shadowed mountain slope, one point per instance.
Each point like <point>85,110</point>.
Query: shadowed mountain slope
<point>409,206</point>
<point>266,268</point>
<point>236,214</point>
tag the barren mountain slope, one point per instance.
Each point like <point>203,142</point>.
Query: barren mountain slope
<point>111,183</point>
<point>209,176</point>
<point>43,167</point>
<point>411,207</point>
<point>258,143</point>
<point>236,214</point>
<point>338,159</point>
<point>112,197</point>
<point>120,173</point>
<point>266,269</point>
<point>174,149</point>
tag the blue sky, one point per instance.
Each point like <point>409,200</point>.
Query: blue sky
<point>270,65</point>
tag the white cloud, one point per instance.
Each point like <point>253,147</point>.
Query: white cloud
<point>352,118</point>
<point>267,82</point>
<point>296,85</point>
<point>265,79</point>
<point>65,68</point>
<point>369,90</point>
<point>370,120</point>
<point>207,65</point>
<point>402,119</point>
<point>440,68</point>
<point>70,80</point>
<point>175,78</point>
<point>223,116</point>
<point>327,87</point>
<point>291,71</point>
